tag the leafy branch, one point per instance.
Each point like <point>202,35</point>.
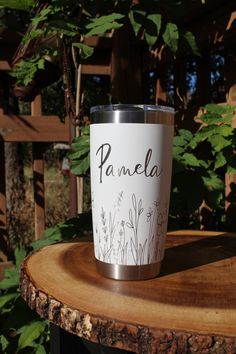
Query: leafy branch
<point>76,20</point>
<point>27,69</point>
<point>21,328</point>
<point>201,161</point>
<point>23,5</point>
<point>80,154</point>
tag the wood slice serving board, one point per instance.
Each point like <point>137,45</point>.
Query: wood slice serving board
<point>189,308</point>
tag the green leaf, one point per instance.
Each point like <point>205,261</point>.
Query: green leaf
<point>186,134</point>
<point>191,160</point>
<point>9,283</point>
<point>210,118</point>
<point>5,299</point>
<point>171,36</point>
<point>219,109</point>
<point>50,232</point>
<point>152,28</point>
<point>101,25</point>
<point>79,152</point>
<point>215,118</point>
<point>85,130</point>
<point>213,182</point>
<point>82,167</point>
<point>29,333</point>
<point>99,30</point>
<point>65,27</point>
<point>20,254</point>
<point>225,130</point>
<point>79,157</point>
<point>137,18</point>
<point>85,50</point>
<point>32,34</point>
<point>227,118</point>
<point>218,142</point>
<point>220,160</point>
<point>100,21</point>
<point>191,40</point>
<point>50,237</point>
<point>40,349</point>
<point>26,69</point>
<point>17,5</point>
<point>209,133</point>
<point>80,143</point>
<point>231,168</point>
<point>43,15</point>
<point>3,343</point>
<point>177,150</point>
<point>205,164</point>
<point>179,141</point>
<point>63,231</point>
<point>41,63</point>
<point>11,278</point>
<point>201,135</point>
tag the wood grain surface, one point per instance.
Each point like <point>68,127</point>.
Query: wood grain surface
<point>189,308</point>
<point>38,129</point>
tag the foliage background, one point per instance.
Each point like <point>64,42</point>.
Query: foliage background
<point>201,158</point>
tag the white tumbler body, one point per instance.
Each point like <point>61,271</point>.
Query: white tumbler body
<point>130,188</point>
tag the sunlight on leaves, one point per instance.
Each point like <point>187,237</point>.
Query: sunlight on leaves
<point>85,50</point>
<point>152,28</point>
<point>171,36</point>
<point>29,333</point>
<point>191,40</point>
<point>137,18</point>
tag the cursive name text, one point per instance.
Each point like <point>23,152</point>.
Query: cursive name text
<point>107,168</point>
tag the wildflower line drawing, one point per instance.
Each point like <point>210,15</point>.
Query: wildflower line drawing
<point>134,216</point>
<point>121,240</point>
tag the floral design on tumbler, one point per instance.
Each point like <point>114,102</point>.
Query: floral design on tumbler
<point>119,237</point>
<point>109,226</point>
<point>137,249</point>
<point>123,244</point>
<point>157,220</point>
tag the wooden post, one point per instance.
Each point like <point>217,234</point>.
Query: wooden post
<point>126,67</point>
<point>161,89</point>
<point>230,75</point>
<point>230,178</point>
<point>203,96</point>
<point>79,180</point>
<point>38,176</point>
<point>73,181</point>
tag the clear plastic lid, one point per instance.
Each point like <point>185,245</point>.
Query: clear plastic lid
<point>132,107</point>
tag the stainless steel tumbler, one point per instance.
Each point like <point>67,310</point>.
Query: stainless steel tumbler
<point>131,161</point>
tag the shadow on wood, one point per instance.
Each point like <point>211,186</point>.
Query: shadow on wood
<point>198,253</point>
<point>231,207</point>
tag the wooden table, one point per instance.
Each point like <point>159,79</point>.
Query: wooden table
<point>189,308</point>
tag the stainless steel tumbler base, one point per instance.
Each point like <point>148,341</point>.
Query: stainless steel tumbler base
<point>128,272</point>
